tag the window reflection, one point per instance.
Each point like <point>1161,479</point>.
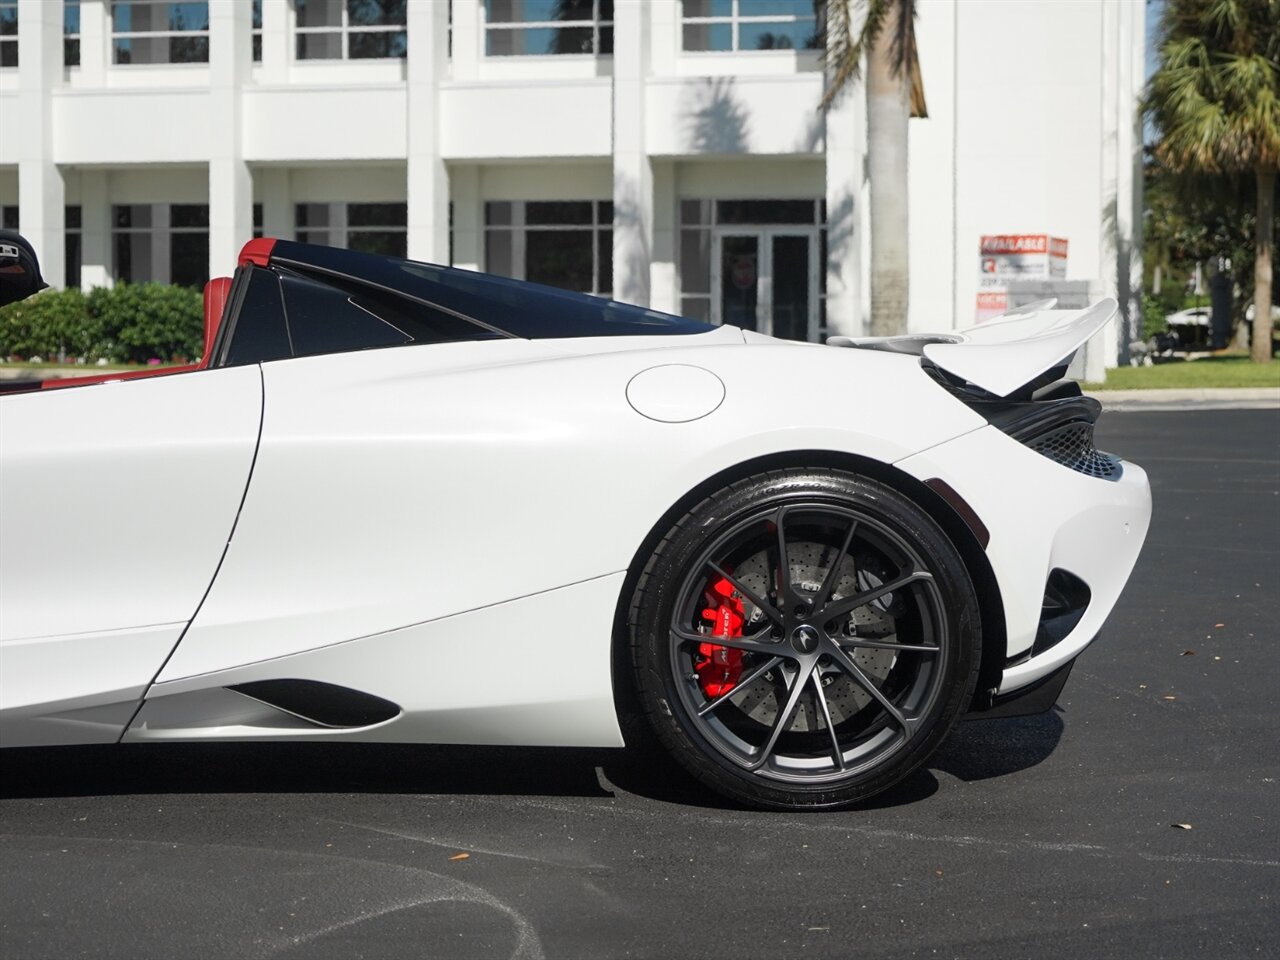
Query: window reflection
<point>548,27</point>
<point>735,25</point>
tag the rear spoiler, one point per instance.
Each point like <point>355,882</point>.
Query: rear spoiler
<point>1006,353</point>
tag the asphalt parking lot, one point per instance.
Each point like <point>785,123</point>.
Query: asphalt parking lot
<point>1043,837</point>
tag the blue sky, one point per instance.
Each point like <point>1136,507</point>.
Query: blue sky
<point>1154,9</point>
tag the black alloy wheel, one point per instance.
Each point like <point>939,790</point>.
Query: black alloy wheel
<point>804,638</point>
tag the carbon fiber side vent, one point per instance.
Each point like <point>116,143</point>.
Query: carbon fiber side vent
<point>1053,418</point>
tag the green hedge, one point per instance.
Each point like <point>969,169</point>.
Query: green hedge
<point>128,323</point>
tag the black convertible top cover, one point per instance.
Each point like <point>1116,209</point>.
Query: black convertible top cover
<point>517,308</point>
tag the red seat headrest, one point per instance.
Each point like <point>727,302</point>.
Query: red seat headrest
<point>215,300</point>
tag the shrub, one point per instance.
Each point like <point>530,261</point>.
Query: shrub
<point>47,324</point>
<point>148,320</point>
<point>131,323</point>
<point>1153,313</point>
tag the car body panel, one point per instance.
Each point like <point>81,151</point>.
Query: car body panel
<point>1042,516</point>
<point>78,688</point>
<point>491,676</point>
<point>395,487</point>
<point>116,503</point>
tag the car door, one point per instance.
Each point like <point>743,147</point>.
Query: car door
<point>117,501</point>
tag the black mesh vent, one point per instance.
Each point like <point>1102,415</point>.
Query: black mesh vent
<point>1072,446</point>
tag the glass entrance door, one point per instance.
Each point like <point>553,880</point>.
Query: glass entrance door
<point>766,279</point>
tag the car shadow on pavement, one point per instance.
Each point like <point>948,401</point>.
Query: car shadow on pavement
<point>982,749</point>
<point>975,751</point>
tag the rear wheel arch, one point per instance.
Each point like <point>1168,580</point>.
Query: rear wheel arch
<point>962,537</point>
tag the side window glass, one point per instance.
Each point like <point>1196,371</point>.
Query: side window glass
<point>323,319</point>
<point>422,323</point>
<point>260,333</point>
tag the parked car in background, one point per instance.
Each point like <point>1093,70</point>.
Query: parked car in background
<point>1191,327</point>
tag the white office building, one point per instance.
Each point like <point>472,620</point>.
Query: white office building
<point>664,152</point>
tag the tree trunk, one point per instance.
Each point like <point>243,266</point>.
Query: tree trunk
<point>1261,350</point>
<point>888,109</point>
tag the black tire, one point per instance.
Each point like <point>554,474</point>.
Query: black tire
<point>876,704</point>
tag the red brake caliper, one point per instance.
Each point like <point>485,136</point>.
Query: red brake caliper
<point>719,667</point>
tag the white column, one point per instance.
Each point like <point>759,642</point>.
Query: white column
<point>931,177</point>
<point>468,229</point>
<point>846,153</point>
<point>230,183</point>
<point>664,292</point>
<point>276,54</point>
<point>428,182</point>
<point>95,43</point>
<point>467,41</point>
<point>41,193</point>
<point>1115,225</point>
<point>277,202</point>
<point>632,176</point>
<point>1129,175</point>
<point>95,230</point>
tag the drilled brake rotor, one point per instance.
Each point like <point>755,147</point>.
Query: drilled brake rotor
<point>808,565</point>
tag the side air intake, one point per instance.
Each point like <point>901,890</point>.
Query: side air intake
<point>324,704</point>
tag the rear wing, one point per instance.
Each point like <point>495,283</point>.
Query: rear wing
<point>1006,353</point>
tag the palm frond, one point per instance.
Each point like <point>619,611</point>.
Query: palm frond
<point>903,50</point>
<point>919,108</point>
<point>1215,97</point>
<point>852,27</point>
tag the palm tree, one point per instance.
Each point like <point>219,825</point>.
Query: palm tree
<point>1215,102</point>
<point>883,30</point>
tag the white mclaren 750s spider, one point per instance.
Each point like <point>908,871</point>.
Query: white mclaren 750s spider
<point>402,502</point>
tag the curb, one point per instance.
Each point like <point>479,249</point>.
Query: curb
<point>1187,400</point>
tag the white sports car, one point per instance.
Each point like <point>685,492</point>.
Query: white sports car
<point>401,502</point>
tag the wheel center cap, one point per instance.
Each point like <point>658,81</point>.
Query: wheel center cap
<point>805,638</point>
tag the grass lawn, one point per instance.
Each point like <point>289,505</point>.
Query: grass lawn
<point>1220,371</point>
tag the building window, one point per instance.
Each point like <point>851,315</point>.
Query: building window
<point>257,221</point>
<point>8,33</point>
<point>726,25</point>
<point>71,33</point>
<point>370,227</point>
<point>72,247</point>
<point>562,243</point>
<point>189,244</point>
<point>257,31</point>
<point>131,241</point>
<point>160,242</point>
<point>699,221</point>
<point>539,27</point>
<point>159,31</point>
<point>9,217</point>
<point>351,29</point>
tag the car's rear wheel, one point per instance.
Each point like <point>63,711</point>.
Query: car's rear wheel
<point>814,681</point>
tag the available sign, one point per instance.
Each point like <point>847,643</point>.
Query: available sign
<point>1015,256</point>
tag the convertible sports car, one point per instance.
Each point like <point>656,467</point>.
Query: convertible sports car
<point>401,502</point>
